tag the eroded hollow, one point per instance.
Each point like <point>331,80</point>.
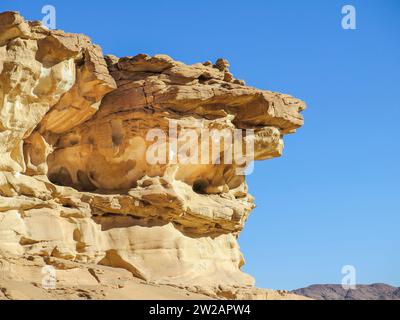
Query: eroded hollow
<point>117,132</point>
<point>200,186</point>
<point>62,177</point>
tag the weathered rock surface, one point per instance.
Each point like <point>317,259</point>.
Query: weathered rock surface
<point>75,180</point>
<point>376,291</point>
<point>22,277</point>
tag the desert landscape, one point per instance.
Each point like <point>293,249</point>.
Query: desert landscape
<point>199,156</point>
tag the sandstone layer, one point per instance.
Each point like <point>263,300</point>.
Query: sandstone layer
<point>22,277</point>
<point>75,181</point>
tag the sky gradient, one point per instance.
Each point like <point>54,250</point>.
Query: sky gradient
<point>333,199</point>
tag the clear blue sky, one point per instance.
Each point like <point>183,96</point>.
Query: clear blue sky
<point>334,197</point>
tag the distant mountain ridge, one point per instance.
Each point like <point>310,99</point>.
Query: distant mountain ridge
<point>376,291</point>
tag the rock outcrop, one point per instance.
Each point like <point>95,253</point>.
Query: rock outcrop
<point>375,291</point>
<point>24,277</point>
<point>76,179</point>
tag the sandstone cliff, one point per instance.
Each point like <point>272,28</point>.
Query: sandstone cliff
<point>76,185</point>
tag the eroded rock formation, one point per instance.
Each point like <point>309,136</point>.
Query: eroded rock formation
<point>75,183</point>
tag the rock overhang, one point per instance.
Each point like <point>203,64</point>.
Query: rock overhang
<point>73,132</point>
